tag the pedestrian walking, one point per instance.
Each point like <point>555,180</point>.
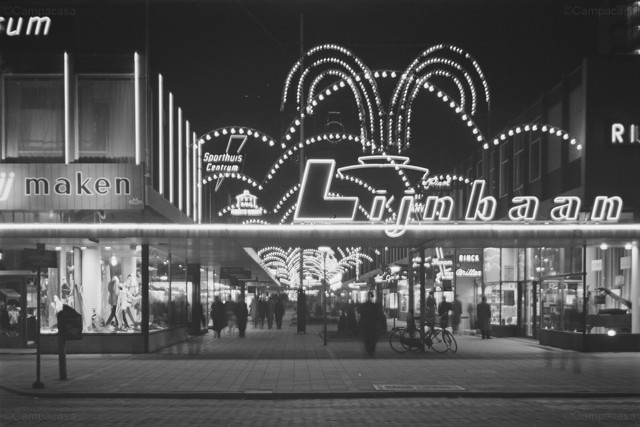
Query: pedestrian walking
<point>230,314</point>
<point>253,308</point>
<point>369,315</point>
<point>218,316</point>
<point>456,308</point>
<point>271,311</point>
<point>352,322</point>
<point>443,311</point>
<point>241,317</point>
<point>279,312</point>
<point>262,312</point>
<point>430,311</point>
<point>484,318</point>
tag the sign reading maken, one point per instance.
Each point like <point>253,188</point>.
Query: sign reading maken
<point>55,187</point>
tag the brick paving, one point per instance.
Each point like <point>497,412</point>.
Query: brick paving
<point>275,363</point>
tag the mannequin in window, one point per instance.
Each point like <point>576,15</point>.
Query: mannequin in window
<point>123,306</point>
<point>114,290</point>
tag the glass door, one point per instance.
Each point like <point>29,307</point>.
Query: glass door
<point>527,308</point>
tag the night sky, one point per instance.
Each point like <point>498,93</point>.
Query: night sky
<point>225,61</point>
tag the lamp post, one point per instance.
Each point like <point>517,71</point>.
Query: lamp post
<point>325,250</point>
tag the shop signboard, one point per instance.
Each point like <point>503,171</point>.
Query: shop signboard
<point>596,265</point>
<point>237,273</point>
<point>34,258</point>
<point>315,203</point>
<point>57,187</point>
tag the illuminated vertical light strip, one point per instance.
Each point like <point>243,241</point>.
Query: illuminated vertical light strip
<point>67,110</point>
<point>187,138</point>
<point>170,147</point>
<point>194,177</point>
<point>199,184</point>
<point>180,180</point>
<point>136,82</point>
<point>160,136</point>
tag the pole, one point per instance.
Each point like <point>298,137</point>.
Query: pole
<point>324,298</point>
<point>302,304</point>
<point>635,288</point>
<point>423,305</point>
<point>585,296</point>
<point>38,383</point>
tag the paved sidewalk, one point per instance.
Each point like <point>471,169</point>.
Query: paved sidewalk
<point>282,364</point>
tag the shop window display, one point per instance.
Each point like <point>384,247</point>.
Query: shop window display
<point>101,283</point>
<point>121,302</point>
<point>178,303</point>
<point>562,304</point>
<point>159,291</point>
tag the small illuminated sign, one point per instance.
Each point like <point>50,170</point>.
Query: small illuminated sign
<point>246,205</point>
<point>469,272</point>
<point>468,258</point>
<point>625,134</point>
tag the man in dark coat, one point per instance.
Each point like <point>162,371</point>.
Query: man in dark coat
<point>218,316</point>
<point>242,314</point>
<point>484,318</point>
<point>369,315</point>
<point>262,312</point>
<point>457,313</point>
<point>443,311</point>
<point>279,312</point>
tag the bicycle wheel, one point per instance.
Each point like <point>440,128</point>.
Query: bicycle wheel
<point>410,340</point>
<point>450,340</point>
<point>395,340</point>
<point>438,343</point>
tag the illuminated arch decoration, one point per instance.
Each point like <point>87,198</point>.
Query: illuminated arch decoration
<point>444,71</point>
<point>256,221</point>
<point>332,60</point>
<point>330,137</point>
<point>232,175</point>
<point>535,127</point>
<point>284,265</point>
<point>450,66</point>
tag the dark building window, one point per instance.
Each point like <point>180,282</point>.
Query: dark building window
<point>518,161</point>
<point>504,169</point>
<point>34,117</point>
<point>534,157</point>
<point>106,117</point>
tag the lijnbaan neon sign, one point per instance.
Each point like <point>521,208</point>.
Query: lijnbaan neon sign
<point>316,205</point>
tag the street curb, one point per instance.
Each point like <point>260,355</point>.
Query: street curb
<point>268,395</point>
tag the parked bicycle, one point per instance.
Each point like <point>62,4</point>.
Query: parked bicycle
<point>440,340</point>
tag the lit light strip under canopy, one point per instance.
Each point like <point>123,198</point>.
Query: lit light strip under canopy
<point>443,234</point>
